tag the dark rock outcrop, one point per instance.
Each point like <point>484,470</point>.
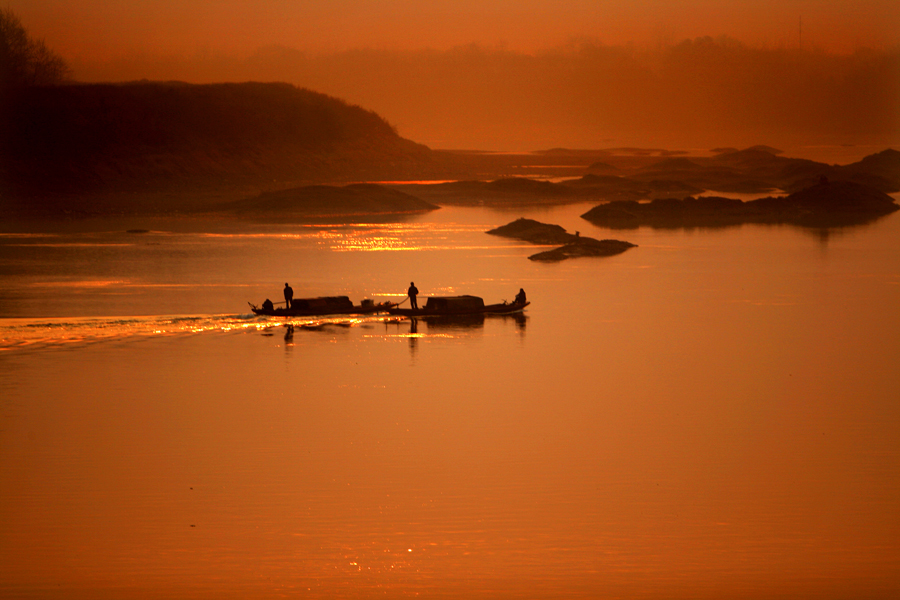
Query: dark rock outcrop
<point>826,204</point>
<point>583,246</point>
<point>535,232</point>
<point>573,246</point>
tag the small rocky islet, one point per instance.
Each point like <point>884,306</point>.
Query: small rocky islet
<point>571,245</point>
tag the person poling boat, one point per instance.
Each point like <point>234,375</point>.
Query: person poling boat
<point>412,292</point>
<point>288,295</point>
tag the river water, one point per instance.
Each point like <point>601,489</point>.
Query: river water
<point>712,414</point>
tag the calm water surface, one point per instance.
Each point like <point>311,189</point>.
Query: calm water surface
<point>713,414</point>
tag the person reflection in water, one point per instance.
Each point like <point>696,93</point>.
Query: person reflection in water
<point>412,292</point>
<point>520,297</point>
<point>413,335</point>
<point>288,295</point>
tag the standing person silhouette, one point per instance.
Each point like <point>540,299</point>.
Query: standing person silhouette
<point>412,292</point>
<point>288,295</point>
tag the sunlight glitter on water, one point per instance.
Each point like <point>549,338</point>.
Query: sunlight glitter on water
<point>27,334</point>
<point>367,237</point>
<point>88,284</point>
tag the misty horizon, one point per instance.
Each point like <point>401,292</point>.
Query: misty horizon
<point>512,76</point>
<point>704,92</point>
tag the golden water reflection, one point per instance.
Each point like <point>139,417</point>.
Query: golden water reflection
<point>19,334</point>
<point>712,416</point>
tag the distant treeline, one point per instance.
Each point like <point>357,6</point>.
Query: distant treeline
<point>24,60</point>
<point>105,136</point>
<point>695,93</point>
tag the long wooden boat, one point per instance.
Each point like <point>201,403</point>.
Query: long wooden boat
<point>455,306</point>
<point>325,305</point>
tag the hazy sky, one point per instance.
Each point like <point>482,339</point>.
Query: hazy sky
<point>89,29</point>
<point>505,74</point>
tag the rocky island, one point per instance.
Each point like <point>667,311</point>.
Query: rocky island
<point>658,175</point>
<point>826,204</point>
<point>573,245</point>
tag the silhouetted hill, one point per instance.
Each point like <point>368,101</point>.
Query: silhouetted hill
<point>826,204</point>
<point>840,196</point>
<point>173,137</point>
<point>507,190</point>
<point>761,169</point>
<point>757,170</point>
<point>886,162</point>
<point>701,175</point>
<point>883,166</point>
<point>611,187</point>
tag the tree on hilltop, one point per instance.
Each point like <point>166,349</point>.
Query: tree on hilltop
<point>25,61</point>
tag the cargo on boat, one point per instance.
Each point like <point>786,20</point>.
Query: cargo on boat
<point>325,305</point>
<point>448,306</point>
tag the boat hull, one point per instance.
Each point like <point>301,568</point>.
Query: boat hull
<point>488,309</point>
<point>322,311</point>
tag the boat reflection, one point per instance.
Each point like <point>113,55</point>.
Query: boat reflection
<point>520,320</point>
<point>454,322</point>
<point>413,337</point>
<point>457,325</point>
<point>432,327</point>
<point>461,322</point>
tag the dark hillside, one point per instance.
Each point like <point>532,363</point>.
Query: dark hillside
<point>885,166</point>
<point>825,204</point>
<point>168,137</point>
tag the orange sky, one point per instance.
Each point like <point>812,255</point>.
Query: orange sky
<point>506,75</point>
<point>90,29</point>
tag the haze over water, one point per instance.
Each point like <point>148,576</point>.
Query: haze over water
<point>710,414</point>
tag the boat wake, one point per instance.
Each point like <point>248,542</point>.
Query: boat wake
<point>35,334</point>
